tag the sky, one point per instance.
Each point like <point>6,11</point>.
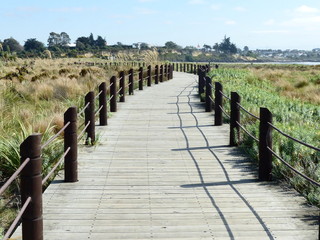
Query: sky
<point>258,24</point>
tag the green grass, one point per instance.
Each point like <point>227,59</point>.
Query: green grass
<point>295,117</point>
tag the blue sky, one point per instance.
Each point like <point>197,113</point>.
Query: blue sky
<point>276,24</point>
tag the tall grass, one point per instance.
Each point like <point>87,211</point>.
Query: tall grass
<point>298,117</point>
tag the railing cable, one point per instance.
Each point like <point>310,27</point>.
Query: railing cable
<point>14,175</point>
<point>98,94</point>
<point>251,114</point>
<point>247,132</point>
<point>225,95</point>
<point>17,219</point>
<point>84,108</point>
<point>294,139</point>
<point>83,131</point>
<point>293,169</point>
<point>55,166</point>
<point>55,136</point>
<point>98,111</point>
<point>224,111</point>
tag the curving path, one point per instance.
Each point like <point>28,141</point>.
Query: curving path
<point>163,171</point>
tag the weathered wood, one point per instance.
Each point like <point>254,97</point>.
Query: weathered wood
<point>154,174</point>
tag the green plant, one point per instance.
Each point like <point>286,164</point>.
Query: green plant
<point>296,117</point>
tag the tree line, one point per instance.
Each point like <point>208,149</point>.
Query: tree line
<point>59,44</point>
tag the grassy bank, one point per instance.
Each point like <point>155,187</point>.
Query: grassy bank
<point>292,94</point>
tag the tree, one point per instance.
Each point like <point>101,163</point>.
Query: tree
<point>206,48</point>
<point>91,40</point>
<point>144,46</point>
<point>10,44</point>
<point>33,45</point>
<point>216,47</point>
<point>171,45</point>
<point>100,42</point>
<point>82,43</point>
<point>226,46</point>
<point>56,39</point>
<point>64,39</point>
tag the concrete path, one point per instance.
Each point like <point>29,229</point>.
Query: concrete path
<point>163,171</point>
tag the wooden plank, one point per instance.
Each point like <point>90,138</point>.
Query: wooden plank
<point>152,176</point>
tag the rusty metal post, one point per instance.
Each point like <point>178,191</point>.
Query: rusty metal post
<point>208,94</point>
<point>161,73</point>
<point>195,69</point>
<point>149,80</point>
<point>171,71</point>
<point>113,94</point>
<point>191,68</point>
<point>122,84</point>
<point>141,78</point>
<point>131,82</point>
<point>265,141</point>
<point>89,116</point>
<point>103,115</point>
<point>71,141</point>
<point>218,104</point>
<point>180,67</point>
<point>156,79</point>
<point>188,67</point>
<point>31,186</point>
<point>234,118</point>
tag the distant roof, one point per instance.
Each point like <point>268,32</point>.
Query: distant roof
<point>71,45</point>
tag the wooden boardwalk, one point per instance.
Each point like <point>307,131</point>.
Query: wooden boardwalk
<point>161,170</point>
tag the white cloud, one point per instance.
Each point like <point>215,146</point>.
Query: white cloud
<point>305,17</point>
<point>312,21</point>
<point>306,9</point>
<point>197,2</point>
<point>230,22</point>
<point>240,9</point>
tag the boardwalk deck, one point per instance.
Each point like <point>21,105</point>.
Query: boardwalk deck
<point>161,170</point>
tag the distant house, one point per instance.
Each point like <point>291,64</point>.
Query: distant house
<point>71,45</point>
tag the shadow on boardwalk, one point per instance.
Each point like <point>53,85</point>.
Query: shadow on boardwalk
<point>243,165</point>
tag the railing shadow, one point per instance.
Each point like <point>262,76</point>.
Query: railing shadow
<point>202,183</point>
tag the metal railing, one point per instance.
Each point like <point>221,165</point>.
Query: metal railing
<point>264,139</point>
